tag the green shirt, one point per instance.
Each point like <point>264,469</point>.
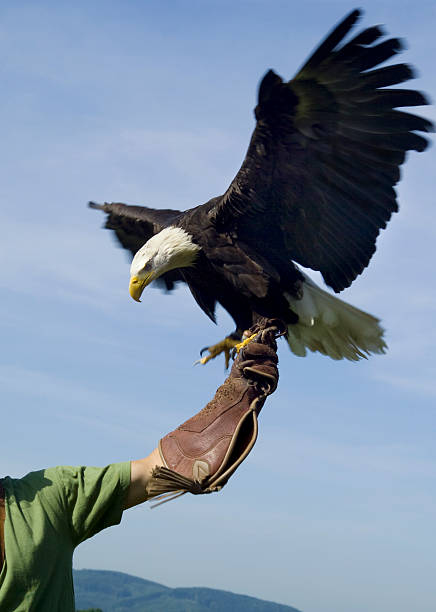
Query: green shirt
<point>48,513</point>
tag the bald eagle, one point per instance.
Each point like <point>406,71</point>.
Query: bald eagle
<point>315,188</point>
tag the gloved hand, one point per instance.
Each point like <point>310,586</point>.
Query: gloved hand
<point>201,455</point>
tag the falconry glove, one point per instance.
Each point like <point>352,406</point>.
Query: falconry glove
<point>201,455</point>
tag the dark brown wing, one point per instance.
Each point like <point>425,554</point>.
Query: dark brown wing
<point>319,173</point>
<point>134,225</point>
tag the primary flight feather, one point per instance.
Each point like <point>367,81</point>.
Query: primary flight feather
<point>316,187</point>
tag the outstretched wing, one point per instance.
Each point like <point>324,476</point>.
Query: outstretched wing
<point>134,225</point>
<point>319,173</point>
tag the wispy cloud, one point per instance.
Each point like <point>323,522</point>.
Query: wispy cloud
<point>314,454</point>
<point>424,384</point>
<point>74,402</point>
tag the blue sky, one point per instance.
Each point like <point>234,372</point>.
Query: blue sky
<point>151,102</point>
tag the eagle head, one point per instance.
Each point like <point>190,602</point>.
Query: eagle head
<point>169,249</point>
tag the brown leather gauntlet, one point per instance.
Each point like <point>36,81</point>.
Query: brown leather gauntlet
<point>201,455</point>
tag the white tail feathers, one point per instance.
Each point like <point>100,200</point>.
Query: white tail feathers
<point>332,327</point>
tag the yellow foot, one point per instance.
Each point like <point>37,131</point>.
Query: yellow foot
<point>225,346</point>
<point>241,345</point>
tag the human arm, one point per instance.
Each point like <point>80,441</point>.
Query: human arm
<point>140,475</point>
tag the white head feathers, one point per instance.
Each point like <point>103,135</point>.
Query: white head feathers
<point>169,249</point>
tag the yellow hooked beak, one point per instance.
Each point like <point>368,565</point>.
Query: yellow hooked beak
<point>137,285</point>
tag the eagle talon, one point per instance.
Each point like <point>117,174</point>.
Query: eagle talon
<point>226,346</point>
<point>241,345</point>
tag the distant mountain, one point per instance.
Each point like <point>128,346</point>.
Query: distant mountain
<point>117,592</point>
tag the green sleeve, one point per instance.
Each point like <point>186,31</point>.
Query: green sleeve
<point>93,497</point>
<point>48,513</point>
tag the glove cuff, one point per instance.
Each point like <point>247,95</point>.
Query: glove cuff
<point>209,471</point>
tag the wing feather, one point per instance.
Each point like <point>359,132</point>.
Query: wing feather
<point>324,158</point>
<point>134,225</point>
